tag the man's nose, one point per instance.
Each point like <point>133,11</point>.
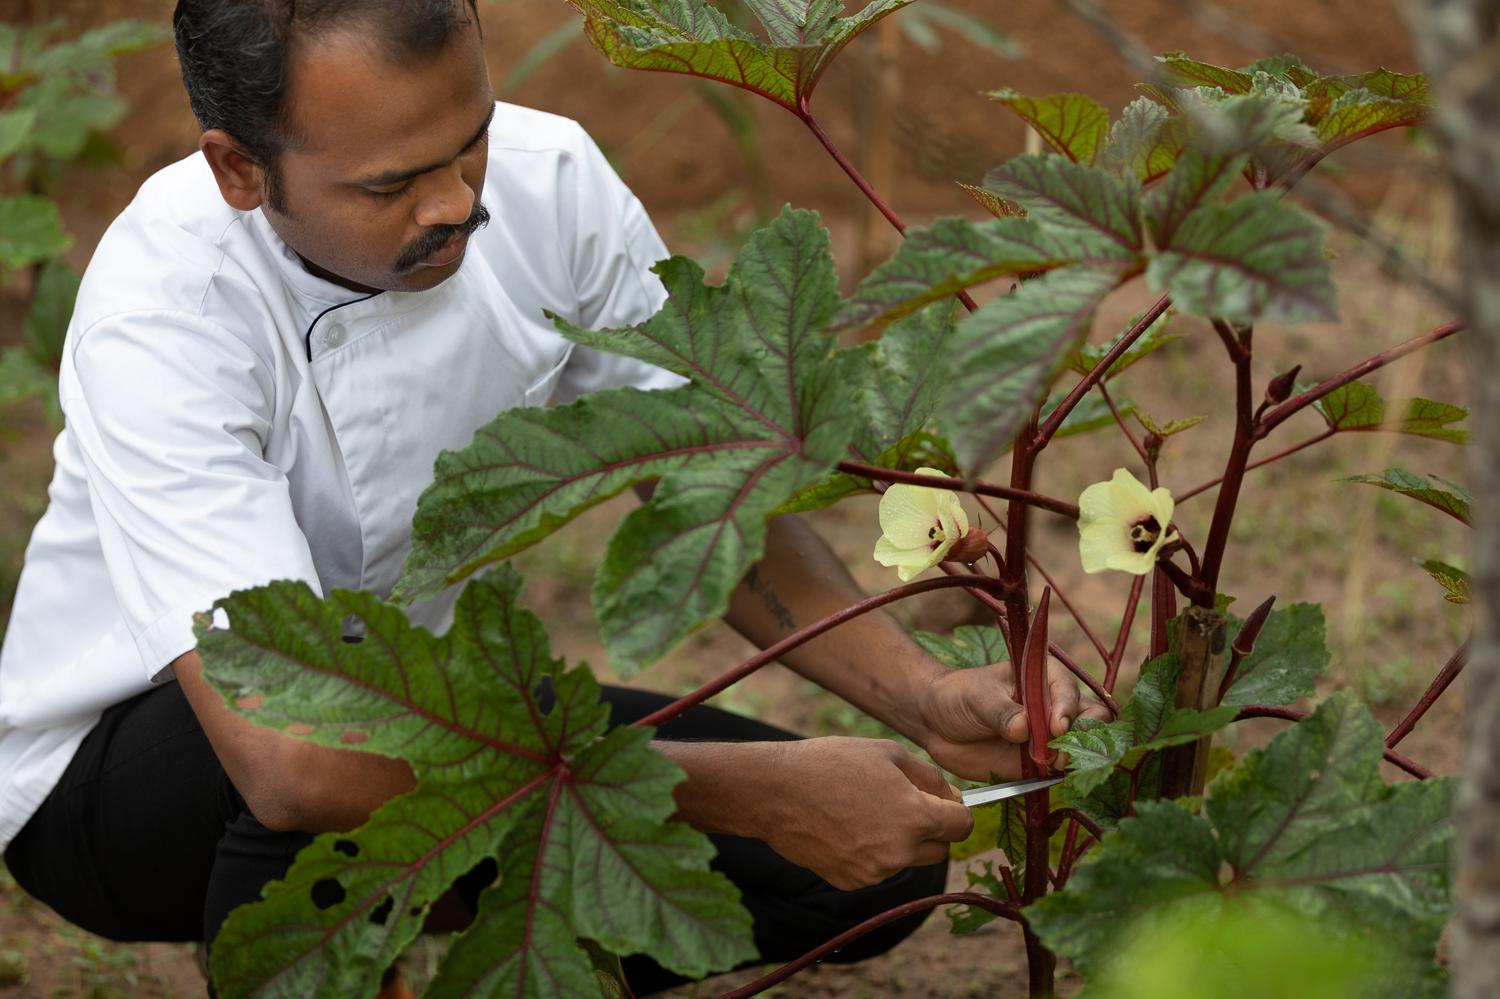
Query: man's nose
<point>447,199</point>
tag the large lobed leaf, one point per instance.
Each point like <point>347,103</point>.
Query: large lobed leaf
<point>1305,825</point>
<point>1358,407</point>
<point>1440,494</point>
<point>30,231</point>
<point>1006,355</point>
<point>1254,259</point>
<point>576,816</point>
<point>1147,722</point>
<point>1073,124</point>
<point>1290,654</point>
<point>1097,212</point>
<point>771,408</point>
<point>696,38</point>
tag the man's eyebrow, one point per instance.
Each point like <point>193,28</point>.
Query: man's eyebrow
<point>398,176</point>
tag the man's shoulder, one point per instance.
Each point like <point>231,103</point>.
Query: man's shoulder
<point>519,130</point>
<point>169,250</point>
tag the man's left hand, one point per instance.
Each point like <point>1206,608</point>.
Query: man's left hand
<point>976,726</point>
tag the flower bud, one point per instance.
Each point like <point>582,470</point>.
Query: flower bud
<point>1280,387</point>
<point>970,548</point>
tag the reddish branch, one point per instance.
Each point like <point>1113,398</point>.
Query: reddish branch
<point>1234,466</point>
<point>1318,439</point>
<point>1008,493</point>
<point>807,634</point>
<point>1277,416</point>
<point>805,113</point>
<point>1292,715</point>
<point>993,905</point>
<point>1034,687</point>
<point>1440,683</point>
<point>1122,638</point>
<point>1048,429</point>
<point>1061,815</point>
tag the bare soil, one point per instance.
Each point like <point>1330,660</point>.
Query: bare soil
<point>1299,535</point>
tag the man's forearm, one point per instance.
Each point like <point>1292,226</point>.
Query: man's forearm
<point>871,661</point>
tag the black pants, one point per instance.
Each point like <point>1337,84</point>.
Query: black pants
<point>145,838</point>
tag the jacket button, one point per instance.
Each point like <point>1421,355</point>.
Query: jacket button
<point>335,335</point>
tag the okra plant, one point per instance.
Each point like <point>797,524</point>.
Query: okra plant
<point>948,413</point>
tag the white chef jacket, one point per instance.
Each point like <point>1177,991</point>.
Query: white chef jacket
<point>233,419</point>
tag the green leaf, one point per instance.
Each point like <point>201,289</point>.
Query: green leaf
<point>1254,259</point>
<point>1359,407</point>
<point>66,115</point>
<point>1145,141</point>
<point>30,230</point>
<point>898,396</point>
<point>1178,69</point>
<point>51,309</point>
<point>690,36</point>
<point>1452,579</point>
<point>14,128</point>
<point>969,646</point>
<point>1098,212</point>
<point>1290,654</point>
<point>577,817</point>
<point>1002,824</point>
<point>1073,124</point>
<point>1225,135</point>
<point>983,879</point>
<point>770,410</point>
<point>1305,825</point>
<point>1440,494</point>
<point>1005,356</point>
<point>1168,429</point>
<point>1147,721</point>
<point>1359,113</point>
<point>1089,356</point>
<point>1380,82</point>
<point>1285,66</point>
<point>936,262</point>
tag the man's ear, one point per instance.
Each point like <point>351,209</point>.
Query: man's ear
<point>241,180</point>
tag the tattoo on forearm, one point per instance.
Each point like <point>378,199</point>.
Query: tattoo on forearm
<point>768,597</point>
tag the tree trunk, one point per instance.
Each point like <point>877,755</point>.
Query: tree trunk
<point>1459,41</point>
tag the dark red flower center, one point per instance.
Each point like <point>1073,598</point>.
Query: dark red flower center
<point>1143,534</point>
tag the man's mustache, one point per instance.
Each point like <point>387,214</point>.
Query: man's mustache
<point>439,236</point>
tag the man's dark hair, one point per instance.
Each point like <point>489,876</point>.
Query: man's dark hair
<point>234,56</point>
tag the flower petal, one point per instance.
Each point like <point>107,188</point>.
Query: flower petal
<point>908,562</point>
<point>907,513</point>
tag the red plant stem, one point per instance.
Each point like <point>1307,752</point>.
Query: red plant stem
<point>1440,683</point>
<point>1061,815</point>
<point>1124,428</point>
<point>807,634</point>
<point>1163,609</point>
<point>1244,644</point>
<point>1292,715</point>
<point>1122,638</point>
<point>1277,416</point>
<point>1034,690</point>
<point>1009,493</point>
<point>1318,439</point>
<point>1046,431</point>
<point>1002,909</point>
<point>1008,877</point>
<point>1070,841</point>
<point>1070,858</point>
<point>1234,466</point>
<point>805,113</point>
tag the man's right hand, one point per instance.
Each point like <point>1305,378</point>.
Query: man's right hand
<point>854,811</point>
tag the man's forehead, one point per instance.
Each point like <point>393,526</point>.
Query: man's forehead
<point>350,99</point>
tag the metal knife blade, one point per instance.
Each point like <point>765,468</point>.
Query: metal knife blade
<point>1009,789</point>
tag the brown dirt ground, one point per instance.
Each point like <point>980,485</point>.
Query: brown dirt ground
<point>1297,536</point>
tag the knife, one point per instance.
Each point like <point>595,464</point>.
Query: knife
<point>1009,789</point>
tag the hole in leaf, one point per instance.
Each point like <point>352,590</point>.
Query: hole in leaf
<point>416,911</point>
<point>300,728</point>
<point>382,912</point>
<point>347,847</point>
<point>327,893</point>
<point>249,703</point>
<point>353,738</point>
<point>352,639</point>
